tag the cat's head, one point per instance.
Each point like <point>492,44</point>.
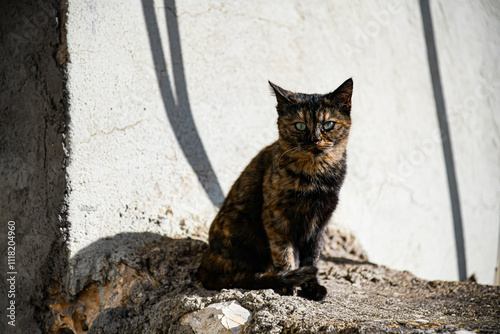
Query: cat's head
<point>317,124</point>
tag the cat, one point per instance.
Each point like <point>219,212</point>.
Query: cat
<point>269,231</point>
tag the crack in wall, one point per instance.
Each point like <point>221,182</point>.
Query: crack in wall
<point>114,129</point>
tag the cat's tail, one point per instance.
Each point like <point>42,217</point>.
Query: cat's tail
<point>285,279</point>
<point>253,281</point>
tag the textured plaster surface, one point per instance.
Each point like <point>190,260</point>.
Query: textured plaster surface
<point>468,43</point>
<point>130,172</point>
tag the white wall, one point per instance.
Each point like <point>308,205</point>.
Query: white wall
<point>468,41</point>
<point>128,171</point>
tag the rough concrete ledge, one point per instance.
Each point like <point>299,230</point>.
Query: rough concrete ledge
<point>146,283</point>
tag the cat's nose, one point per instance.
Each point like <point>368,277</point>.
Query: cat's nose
<point>316,136</point>
<point>316,139</point>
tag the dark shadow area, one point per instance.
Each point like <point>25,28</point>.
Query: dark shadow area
<point>445,137</point>
<point>149,252</point>
<point>176,99</point>
<point>127,276</point>
<point>33,118</point>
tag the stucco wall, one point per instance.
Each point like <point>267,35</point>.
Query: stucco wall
<point>169,102</point>
<point>468,42</point>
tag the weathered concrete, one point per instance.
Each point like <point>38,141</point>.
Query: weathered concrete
<point>154,290</point>
<point>32,176</point>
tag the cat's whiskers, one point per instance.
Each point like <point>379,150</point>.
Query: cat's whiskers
<point>294,149</point>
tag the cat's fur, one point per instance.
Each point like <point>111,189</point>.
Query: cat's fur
<point>269,230</point>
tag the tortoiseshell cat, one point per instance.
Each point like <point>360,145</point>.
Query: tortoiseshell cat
<point>269,230</point>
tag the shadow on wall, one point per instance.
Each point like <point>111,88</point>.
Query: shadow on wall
<point>445,136</point>
<point>178,109</point>
<point>117,284</point>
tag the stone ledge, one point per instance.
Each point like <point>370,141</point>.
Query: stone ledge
<point>154,287</point>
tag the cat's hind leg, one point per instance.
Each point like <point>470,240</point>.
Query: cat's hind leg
<point>215,272</point>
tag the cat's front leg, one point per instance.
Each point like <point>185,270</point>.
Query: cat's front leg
<point>309,256</point>
<point>283,253</point>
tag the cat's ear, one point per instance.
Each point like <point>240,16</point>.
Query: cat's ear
<point>342,94</point>
<point>282,95</point>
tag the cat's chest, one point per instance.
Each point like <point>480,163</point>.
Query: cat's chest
<point>298,181</point>
<point>300,193</point>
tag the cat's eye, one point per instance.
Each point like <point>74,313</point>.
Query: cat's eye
<point>300,126</point>
<point>328,125</point>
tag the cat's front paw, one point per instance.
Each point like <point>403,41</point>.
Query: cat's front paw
<point>314,291</point>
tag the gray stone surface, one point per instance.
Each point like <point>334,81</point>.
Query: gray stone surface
<point>362,297</point>
<point>32,177</point>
